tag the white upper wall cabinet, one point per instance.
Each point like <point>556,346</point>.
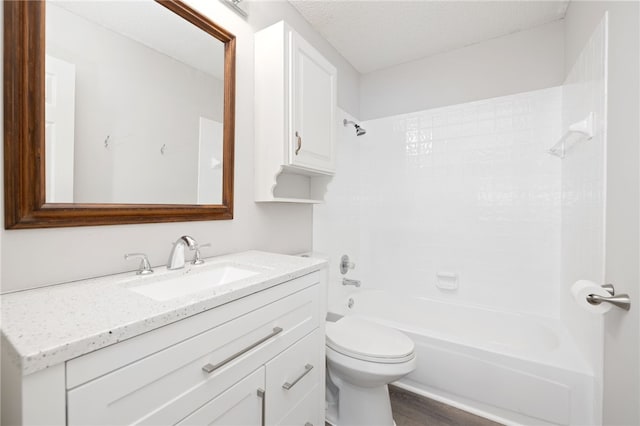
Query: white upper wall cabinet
<point>295,95</point>
<point>313,105</point>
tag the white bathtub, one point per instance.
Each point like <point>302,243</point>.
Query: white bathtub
<point>512,368</point>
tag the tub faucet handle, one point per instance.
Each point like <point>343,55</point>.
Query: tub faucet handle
<point>346,264</point>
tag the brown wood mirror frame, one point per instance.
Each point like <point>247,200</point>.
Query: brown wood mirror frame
<point>24,133</point>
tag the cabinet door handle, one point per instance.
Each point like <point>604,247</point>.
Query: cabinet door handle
<point>307,369</point>
<point>308,424</point>
<point>261,396</point>
<point>299,145</point>
<point>210,368</point>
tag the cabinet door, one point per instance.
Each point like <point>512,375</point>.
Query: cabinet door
<point>294,374</point>
<point>309,412</point>
<point>313,106</point>
<point>240,405</point>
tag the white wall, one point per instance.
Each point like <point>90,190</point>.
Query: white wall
<point>520,62</point>
<point>39,257</point>
<point>622,329</point>
<point>468,189</point>
<point>117,97</point>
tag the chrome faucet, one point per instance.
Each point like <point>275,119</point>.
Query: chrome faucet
<point>176,258</point>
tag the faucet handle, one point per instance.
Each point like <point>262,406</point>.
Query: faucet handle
<point>197,260</point>
<point>346,264</point>
<point>145,267</point>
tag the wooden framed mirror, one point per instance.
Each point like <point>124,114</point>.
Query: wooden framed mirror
<point>48,186</point>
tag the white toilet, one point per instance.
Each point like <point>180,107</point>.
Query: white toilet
<point>362,359</point>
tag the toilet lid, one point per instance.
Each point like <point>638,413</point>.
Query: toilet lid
<point>363,339</point>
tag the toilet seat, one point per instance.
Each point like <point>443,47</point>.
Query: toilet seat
<point>357,338</point>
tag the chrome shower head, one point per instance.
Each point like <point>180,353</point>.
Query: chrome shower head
<point>359,130</point>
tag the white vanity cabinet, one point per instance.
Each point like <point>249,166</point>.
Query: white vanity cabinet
<point>258,360</point>
<point>295,107</point>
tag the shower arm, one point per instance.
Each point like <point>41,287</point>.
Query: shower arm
<point>359,130</point>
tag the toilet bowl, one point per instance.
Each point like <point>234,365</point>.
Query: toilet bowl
<point>362,359</point>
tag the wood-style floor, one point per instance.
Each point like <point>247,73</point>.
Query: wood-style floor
<point>410,409</point>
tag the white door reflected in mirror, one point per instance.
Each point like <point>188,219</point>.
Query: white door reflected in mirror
<point>126,127</point>
<point>209,162</point>
<point>59,101</point>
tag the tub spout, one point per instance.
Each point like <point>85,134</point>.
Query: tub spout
<point>347,281</point>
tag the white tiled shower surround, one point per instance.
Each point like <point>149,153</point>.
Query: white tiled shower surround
<point>466,189</point>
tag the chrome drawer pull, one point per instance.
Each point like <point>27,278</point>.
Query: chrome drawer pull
<point>210,368</point>
<point>261,394</point>
<point>307,369</point>
<point>308,424</point>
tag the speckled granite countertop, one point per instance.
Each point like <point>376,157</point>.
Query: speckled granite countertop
<point>51,325</point>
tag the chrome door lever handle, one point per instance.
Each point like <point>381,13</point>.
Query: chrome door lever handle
<point>610,289</point>
<point>622,301</point>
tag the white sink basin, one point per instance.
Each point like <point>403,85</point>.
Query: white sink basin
<point>172,284</point>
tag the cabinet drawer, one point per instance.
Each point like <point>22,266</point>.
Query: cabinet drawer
<point>242,404</point>
<point>167,385</point>
<point>293,374</point>
<point>308,412</point>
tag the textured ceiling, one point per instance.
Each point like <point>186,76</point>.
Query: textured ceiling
<point>378,34</point>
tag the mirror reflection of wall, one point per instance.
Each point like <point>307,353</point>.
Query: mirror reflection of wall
<point>128,88</point>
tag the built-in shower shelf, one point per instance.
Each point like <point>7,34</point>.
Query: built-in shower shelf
<point>577,132</point>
